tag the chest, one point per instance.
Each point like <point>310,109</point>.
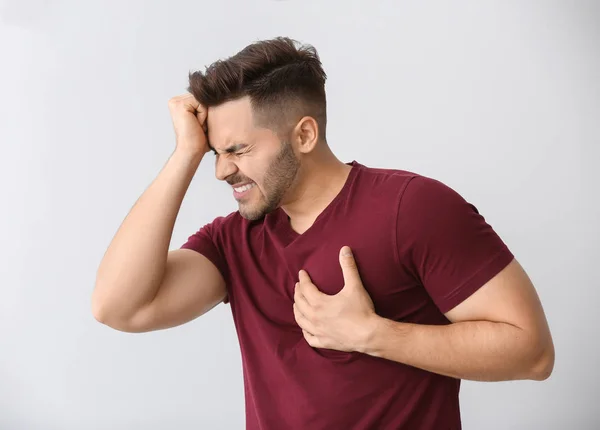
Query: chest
<point>265,279</point>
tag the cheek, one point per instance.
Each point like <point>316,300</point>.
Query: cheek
<point>250,173</point>
<point>253,171</point>
<point>256,167</point>
<point>261,185</point>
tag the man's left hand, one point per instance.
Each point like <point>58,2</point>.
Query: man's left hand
<point>343,321</point>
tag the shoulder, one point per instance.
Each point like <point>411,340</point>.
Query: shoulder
<point>379,175</point>
<point>412,195</point>
<point>431,198</point>
<point>381,182</point>
<point>400,184</point>
<point>426,187</point>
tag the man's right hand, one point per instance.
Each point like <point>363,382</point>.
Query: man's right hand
<point>189,121</point>
<point>141,285</point>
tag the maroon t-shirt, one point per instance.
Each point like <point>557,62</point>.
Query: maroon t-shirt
<point>420,248</point>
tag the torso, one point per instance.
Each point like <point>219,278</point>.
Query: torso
<point>288,383</point>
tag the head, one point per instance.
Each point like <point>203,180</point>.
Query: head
<point>266,112</point>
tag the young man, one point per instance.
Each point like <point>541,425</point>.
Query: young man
<point>361,296</point>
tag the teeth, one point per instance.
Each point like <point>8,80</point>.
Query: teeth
<point>244,188</point>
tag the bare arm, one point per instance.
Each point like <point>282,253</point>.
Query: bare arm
<point>499,333</point>
<point>140,285</point>
<point>191,286</point>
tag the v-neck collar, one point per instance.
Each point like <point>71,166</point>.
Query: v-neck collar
<point>283,225</point>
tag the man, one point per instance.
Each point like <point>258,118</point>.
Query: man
<point>361,296</point>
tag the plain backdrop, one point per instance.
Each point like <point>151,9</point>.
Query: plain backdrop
<point>498,99</point>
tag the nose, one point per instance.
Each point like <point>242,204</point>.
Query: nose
<point>224,168</point>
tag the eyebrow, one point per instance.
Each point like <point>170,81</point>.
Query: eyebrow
<point>231,149</point>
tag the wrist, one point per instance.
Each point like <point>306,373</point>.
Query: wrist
<point>381,333</point>
<point>368,343</point>
<point>187,157</point>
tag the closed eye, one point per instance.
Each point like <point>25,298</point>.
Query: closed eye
<point>229,154</point>
<point>235,150</point>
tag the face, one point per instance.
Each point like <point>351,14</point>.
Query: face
<point>260,167</point>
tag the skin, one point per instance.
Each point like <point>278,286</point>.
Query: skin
<point>499,333</point>
<point>143,286</point>
<point>289,173</point>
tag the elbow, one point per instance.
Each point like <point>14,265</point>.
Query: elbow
<point>543,365</point>
<point>99,313</point>
<point>100,307</point>
<point>105,317</point>
<point>106,314</point>
<point>97,307</point>
<point>102,314</point>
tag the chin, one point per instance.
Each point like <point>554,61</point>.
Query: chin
<point>254,213</point>
<point>251,213</point>
<point>253,210</point>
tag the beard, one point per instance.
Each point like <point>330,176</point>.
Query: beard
<point>279,178</point>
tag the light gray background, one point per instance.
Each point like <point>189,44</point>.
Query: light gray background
<point>500,100</point>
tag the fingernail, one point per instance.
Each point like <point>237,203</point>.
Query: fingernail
<point>346,251</point>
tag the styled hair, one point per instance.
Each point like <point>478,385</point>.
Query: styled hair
<point>284,80</point>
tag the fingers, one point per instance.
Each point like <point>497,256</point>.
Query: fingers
<point>307,288</point>
<point>185,99</point>
<point>191,101</point>
<point>200,111</point>
<point>202,115</point>
<point>190,104</point>
<point>300,298</point>
<point>302,311</point>
<point>348,264</point>
<point>311,339</point>
<point>302,320</point>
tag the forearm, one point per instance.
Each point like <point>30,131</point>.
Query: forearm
<point>474,350</point>
<point>133,266</point>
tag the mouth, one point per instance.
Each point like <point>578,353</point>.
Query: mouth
<point>240,191</point>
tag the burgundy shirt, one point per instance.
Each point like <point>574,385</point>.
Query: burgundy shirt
<point>421,249</point>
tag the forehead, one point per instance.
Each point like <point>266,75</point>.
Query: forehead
<point>230,121</point>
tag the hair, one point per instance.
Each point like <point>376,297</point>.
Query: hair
<point>284,80</point>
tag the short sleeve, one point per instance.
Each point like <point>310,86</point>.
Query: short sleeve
<point>446,243</point>
<point>205,241</point>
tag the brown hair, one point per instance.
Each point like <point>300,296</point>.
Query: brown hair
<point>284,80</point>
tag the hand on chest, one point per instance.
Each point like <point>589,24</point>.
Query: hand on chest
<point>323,267</point>
<point>393,291</point>
<point>268,286</point>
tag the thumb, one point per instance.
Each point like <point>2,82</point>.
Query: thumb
<point>349,268</point>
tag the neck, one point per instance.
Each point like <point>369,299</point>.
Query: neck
<point>320,181</point>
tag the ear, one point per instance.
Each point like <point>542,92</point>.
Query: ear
<point>306,134</point>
